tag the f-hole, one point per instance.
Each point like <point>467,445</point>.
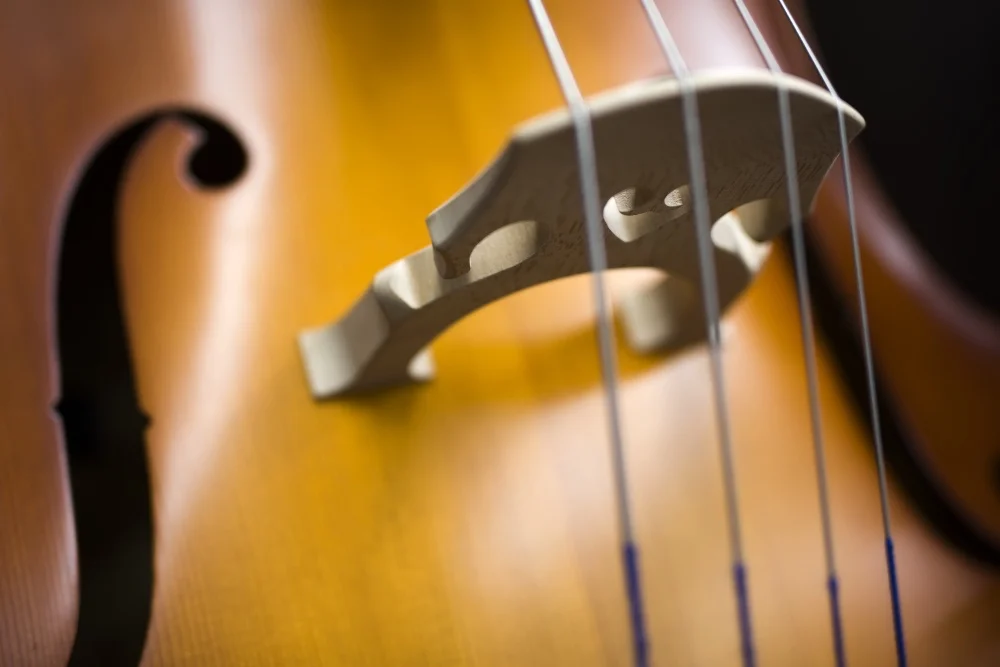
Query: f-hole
<point>104,424</point>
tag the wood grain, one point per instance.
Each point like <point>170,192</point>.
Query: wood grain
<point>464,522</point>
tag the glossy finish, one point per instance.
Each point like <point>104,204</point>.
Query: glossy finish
<point>936,350</point>
<point>951,420</point>
<point>464,522</point>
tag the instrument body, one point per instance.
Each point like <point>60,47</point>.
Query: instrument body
<point>465,521</point>
<point>937,346</point>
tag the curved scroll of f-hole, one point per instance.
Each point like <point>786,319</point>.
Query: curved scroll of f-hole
<point>103,421</point>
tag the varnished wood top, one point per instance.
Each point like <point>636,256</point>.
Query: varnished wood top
<point>464,522</point>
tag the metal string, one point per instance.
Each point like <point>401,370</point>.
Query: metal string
<point>806,326</point>
<point>890,555</point>
<point>580,114</point>
<point>702,220</point>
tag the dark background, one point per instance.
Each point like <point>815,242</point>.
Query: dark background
<point>926,76</point>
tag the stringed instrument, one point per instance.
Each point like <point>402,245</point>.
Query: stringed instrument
<point>277,385</point>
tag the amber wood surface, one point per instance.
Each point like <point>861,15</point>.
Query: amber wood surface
<point>464,522</point>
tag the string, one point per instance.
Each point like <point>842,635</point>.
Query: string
<point>806,327</point>
<point>580,114</point>
<point>702,220</point>
<point>890,551</point>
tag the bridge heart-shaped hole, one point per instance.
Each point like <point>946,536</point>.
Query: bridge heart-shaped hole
<point>635,212</point>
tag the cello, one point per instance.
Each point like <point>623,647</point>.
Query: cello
<point>187,188</point>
